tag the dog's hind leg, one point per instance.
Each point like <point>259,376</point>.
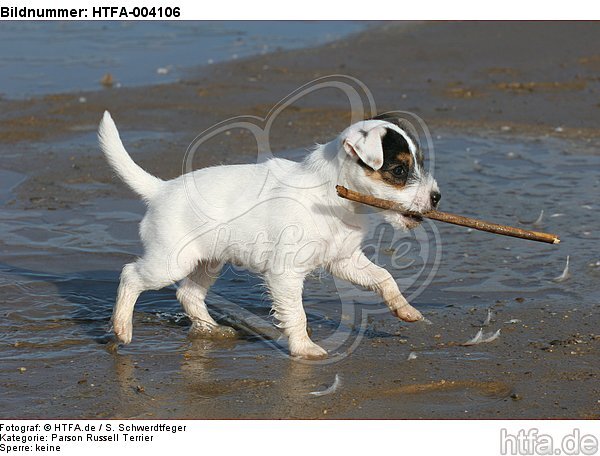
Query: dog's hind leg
<point>130,288</point>
<point>148,273</point>
<point>286,292</point>
<point>192,294</point>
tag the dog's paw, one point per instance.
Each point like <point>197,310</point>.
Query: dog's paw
<point>205,331</point>
<point>307,350</point>
<point>408,315</point>
<point>405,312</point>
<point>123,331</point>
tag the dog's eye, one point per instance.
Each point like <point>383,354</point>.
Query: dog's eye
<point>400,171</point>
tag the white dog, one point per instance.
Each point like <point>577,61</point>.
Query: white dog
<point>281,219</point>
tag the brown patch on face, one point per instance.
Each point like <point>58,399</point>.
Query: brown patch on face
<point>395,171</point>
<point>398,162</point>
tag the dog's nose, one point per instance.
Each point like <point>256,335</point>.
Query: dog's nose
<point>435,198</point>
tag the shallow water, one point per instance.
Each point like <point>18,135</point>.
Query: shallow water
<point>52,56</point>
<point>59,273</point>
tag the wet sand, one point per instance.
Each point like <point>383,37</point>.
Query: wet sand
<point>495,84</point>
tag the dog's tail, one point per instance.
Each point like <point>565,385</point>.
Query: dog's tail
<point>143,183</point>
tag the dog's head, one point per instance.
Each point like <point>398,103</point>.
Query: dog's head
<point>386,161</point>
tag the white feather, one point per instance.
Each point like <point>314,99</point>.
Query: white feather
<point>488,319</point>
<point>475,340</point>
<point>480,338</point>
<point>490,337</point>
<point>332,389</point>
<point>565,274</point>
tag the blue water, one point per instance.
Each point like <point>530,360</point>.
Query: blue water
<point>50,57</point>
<point>59,273</point>
<point>59,269</point>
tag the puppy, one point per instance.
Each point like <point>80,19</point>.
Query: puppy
<point>281,219</point>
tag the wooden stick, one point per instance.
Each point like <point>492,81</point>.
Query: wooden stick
<point>448,218</point>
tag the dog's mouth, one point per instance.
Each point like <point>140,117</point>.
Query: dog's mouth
<point>412,220</point>
<point>403,221</point>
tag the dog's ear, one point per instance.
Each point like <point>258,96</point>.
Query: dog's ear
<point>365,143</point>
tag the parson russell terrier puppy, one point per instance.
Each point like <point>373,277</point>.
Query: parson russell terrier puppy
<point>281,219</point>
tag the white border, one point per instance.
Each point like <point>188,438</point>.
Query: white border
<point>348,9</point>
<point>374,437</point>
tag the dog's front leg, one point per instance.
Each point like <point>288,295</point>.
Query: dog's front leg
<point>286,292</point>
<point>359,270</point>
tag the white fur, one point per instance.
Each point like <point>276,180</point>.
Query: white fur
<point>143,183</point>
<point>279,218</point>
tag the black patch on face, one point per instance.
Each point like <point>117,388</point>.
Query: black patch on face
<point>393,144</point>
<point>407,128</point>
<point>398,164</point>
